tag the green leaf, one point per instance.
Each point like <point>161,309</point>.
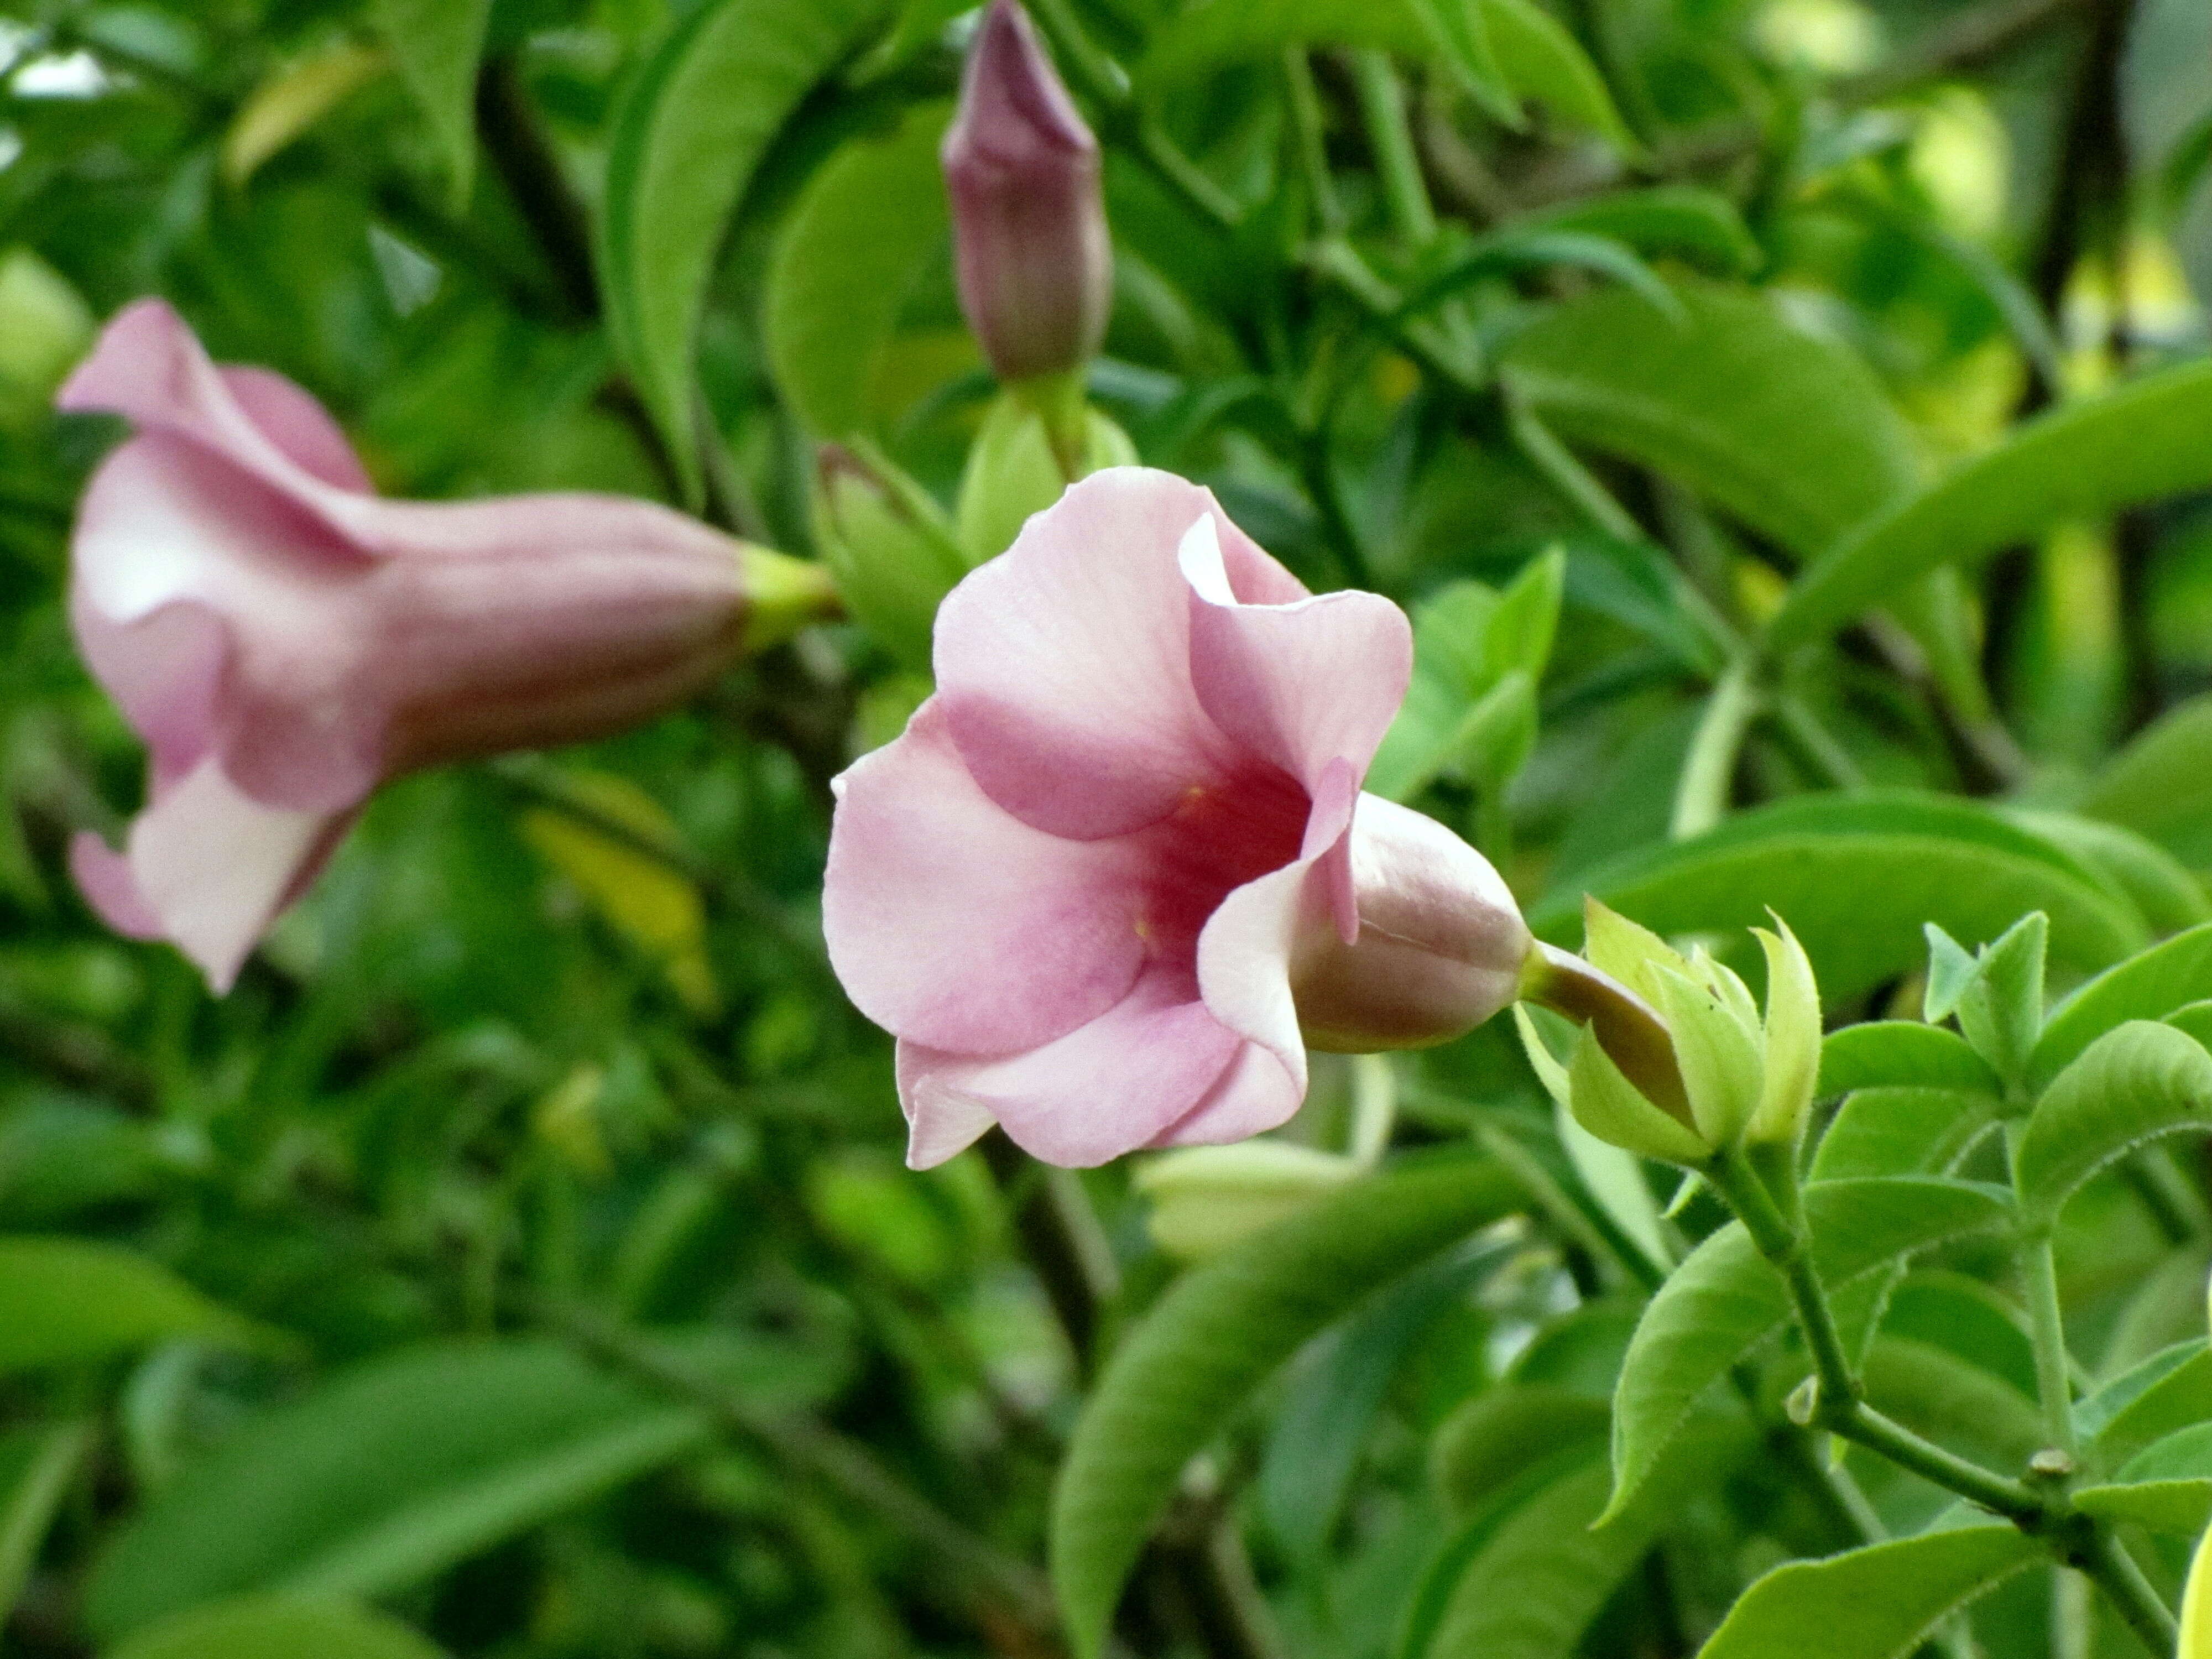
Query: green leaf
<point>2168,1485</point>
<point>1679,220</point>
<point>1205,36</point>
<point>2170,897</point>
<point>1216,1333</point>
<point>1880,1131</point>
<point>1889,1054</point>
<point>1952,1401</point>
<point>849,252</point>
<point>2165,1393</point>
<point>1541,1573</point>
<point>2085,459</point>
<point>1320,1435</point>
<point>435,45</point>
<point>37,1464</point>
<point>2167,976</point>
<point>395,1469</point>
<point>1539,59</point>
<point>278,1628</point>
<point>2160,785</point>
<point>1788,432</point>
<point>1496,1437</point>
<point>1880,1602</point>
<point>1857,876</point>
<point>686,138</point>
<point>1725,1301</point>
<point>2139,1080</point>
<point>68,1301</point>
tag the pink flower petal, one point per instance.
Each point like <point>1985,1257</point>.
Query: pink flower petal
<point>1247,953</point>
<point>290,418</point>
<point>164,671</point>
<point>941,1123</point>
<point>1257,1093</point>
<point>955,925</point>
<point>1065,663</point>
<point>103,876</point>
<point>1300,683</point>
<point>216,866</point>
<point>1106,1088</point>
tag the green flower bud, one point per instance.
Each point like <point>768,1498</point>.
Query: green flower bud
<point>1718,1044</point>
<point>888,544</point>
<point>1036,439</point>
<point>1205,1198</point>
<point>1792,1039</point>
<point>1613,1108</point>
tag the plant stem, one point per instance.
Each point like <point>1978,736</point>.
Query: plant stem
<point>1390,138</point>
<point>2054,1384</point>
<point>2114,1571</point>
<point>1305,99</point>
<point>1701,798</point>
<point>1540,447</point>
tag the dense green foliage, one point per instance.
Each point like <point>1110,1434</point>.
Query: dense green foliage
<point>1786,423</point>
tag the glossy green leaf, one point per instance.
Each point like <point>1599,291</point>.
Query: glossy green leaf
<point>1881,1132</point>
<point>2165,1393</point>
<point>2138,1081</point>
<point>1216,1334</point>
<point>66,1301</point>
<point>1786,431</point>
<point>2170,897</point>
<point>435,45</point>
<point>1332,1403</point>
<point>687,138</point>
<point>2167,976</point>
<point>278,1628</point>
<point>1725,1301</point>
<point>1496,1437</point>
<point>1857,876</point>
<point>2160,785</point>
<point>396,1469</point>
<point>2083,460</point>
<point>1538,59</point>
<point>37,1466</point>
<point>850,249</point>
<point>2167,1486</point>
<point>1895,1053</point>
<point>1880,1602</point>
<point>1541,1573</point>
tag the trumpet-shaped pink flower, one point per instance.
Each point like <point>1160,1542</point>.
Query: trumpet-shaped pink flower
<point>1122,855</point>
<point>285,641</point>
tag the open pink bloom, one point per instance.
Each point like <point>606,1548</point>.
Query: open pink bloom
<point>1121,856</point>
<point>283,641</point>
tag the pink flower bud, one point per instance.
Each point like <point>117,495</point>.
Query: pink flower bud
<point>1121,859</point>
<point>285,641</point>
<point>1035,265</point>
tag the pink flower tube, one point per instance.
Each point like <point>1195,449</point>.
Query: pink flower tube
<point>1118,872</point>
<point>285,641</point>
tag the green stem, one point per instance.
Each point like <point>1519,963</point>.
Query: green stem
<point>1390,137</point>
<point>1701,798</point>
<point>2054,1385</point>
<point>1998,1493</point>
<point>1313,151</point>
<point>1540,447</point>
<point>1815,745</point>
<point>2114,1571</point>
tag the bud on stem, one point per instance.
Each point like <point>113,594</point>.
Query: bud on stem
<point>1030,240</point>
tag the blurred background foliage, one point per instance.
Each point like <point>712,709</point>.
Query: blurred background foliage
<point>520,1262</point>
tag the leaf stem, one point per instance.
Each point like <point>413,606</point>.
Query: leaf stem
<point>2114,1571</point>
<point>1390,139</point>
<point>1701,798</point>
<point>2054,1384</point>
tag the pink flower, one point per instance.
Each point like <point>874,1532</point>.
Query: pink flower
<point>283,641</point>
<point>1034,261</point>
<point>1120,857</point>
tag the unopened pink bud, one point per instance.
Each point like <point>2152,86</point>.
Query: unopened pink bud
<point>1035,265</point>
<point>1440,944</point>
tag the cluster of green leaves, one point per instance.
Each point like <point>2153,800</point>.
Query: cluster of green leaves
<point>1792,457</point>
